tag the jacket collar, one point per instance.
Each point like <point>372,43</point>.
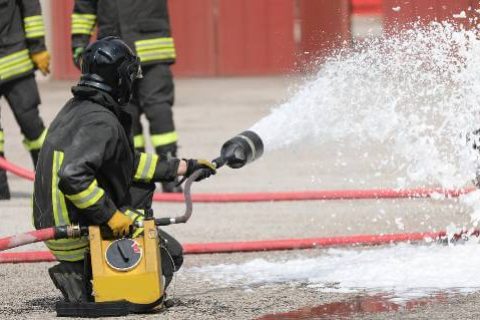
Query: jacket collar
<point>104,99</point>
<point>97,96</point>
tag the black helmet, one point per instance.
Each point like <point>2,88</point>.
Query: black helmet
<point>111,66</point>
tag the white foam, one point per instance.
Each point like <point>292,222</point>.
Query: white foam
<point>405,270</point>
<point>417,92</point>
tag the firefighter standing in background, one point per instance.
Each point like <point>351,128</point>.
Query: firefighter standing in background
<point>22,50</point>
<point>144,25</point>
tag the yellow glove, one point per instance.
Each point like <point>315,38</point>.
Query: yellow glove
<point>120,224</point>
<point>42,61</point>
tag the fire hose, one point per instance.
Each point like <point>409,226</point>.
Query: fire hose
<point>64,232</point>
<point>282,196</point>
<point>253,246</point>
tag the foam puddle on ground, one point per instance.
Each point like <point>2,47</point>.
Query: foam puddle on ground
<point>404,271</point>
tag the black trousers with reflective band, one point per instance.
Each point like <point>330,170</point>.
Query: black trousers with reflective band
<point>23,97</point>
<point>154,96</point>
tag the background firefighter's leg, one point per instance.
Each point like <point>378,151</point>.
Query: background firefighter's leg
<point>4,189</point>
<point>134,109</point>
<point>24,99</point>
<point>156,95</point>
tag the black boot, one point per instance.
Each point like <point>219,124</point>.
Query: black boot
<point>168,152</point>
<point>4,189</point>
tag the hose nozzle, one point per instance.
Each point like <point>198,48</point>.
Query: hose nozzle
<point>240,150</point>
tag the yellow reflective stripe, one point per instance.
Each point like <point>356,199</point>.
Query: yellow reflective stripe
<point>30,35</point>
<point>60,213</point>
<point>146,167</point>
<point>37,143</point>
<point>14,56</point>
<point>87,197</point>
<point>2,141</point>
<point>164,139</point>
<point>15,65</point>
<point>163,41</point>
<point>82,31</point>
<point>67,244</point>
<point>155,49</point>
<point>72,256</point>
<point>16,72</point>
<point>84,16</point>
<point>13,59</point>
<point>152,47</point>
<point>156,56</point>
<point>139,141</point>
<point>31,19</point>
<point>83,23</point>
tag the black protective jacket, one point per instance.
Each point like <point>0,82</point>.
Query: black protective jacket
<point>143,24</point>
<point>87,163</point>
<point>22,32</point>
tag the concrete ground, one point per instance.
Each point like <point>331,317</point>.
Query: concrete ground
<point>208,112</point>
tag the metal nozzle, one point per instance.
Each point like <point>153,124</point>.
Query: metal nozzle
<point>240,150</point>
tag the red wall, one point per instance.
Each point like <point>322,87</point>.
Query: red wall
<point>233,37</point>
<point>325,27</point>
<point>408,11</point>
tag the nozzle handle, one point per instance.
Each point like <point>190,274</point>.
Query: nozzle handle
<point>219,162</point>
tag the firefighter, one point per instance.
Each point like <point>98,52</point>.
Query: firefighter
<point>88,171</point>
<point>144,25</point>
<point>22,50</point>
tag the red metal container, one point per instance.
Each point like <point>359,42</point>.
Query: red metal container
<point>399,13</point>
<point>193,30</point>
<point>325,26</point>
<point>63,67</point>
<point>255,37</point>
<point>227,37</point>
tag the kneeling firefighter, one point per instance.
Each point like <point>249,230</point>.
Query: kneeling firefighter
<point>88,172</point>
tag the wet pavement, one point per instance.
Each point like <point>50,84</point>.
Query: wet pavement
<point>355,307</point>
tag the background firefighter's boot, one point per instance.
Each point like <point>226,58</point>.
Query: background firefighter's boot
<point>168,152</point>
<point>4,189</point>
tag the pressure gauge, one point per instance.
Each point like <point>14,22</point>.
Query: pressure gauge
<point>123,254</point>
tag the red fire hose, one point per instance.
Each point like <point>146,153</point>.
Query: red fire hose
<point>27,238</point>
<point>282,196</point>
<point>265,245</point>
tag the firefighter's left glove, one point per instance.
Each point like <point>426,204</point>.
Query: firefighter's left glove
<point>206,166</point>
<point>42,61</point>
<point>77,56</point>
<point>120,224</point>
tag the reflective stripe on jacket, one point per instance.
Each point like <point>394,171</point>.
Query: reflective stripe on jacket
<point>143,24</point>
<point>22,32</point>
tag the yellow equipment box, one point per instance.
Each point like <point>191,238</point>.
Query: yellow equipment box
<point>127,269</point>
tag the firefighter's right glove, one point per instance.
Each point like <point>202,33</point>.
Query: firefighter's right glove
<point>42,61</point>
<point>77,55</point>
<point>120,224</point>
<point>206,166</point>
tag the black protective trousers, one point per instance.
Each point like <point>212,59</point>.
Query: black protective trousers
<point>153,96</point>
<point>23,97</point>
